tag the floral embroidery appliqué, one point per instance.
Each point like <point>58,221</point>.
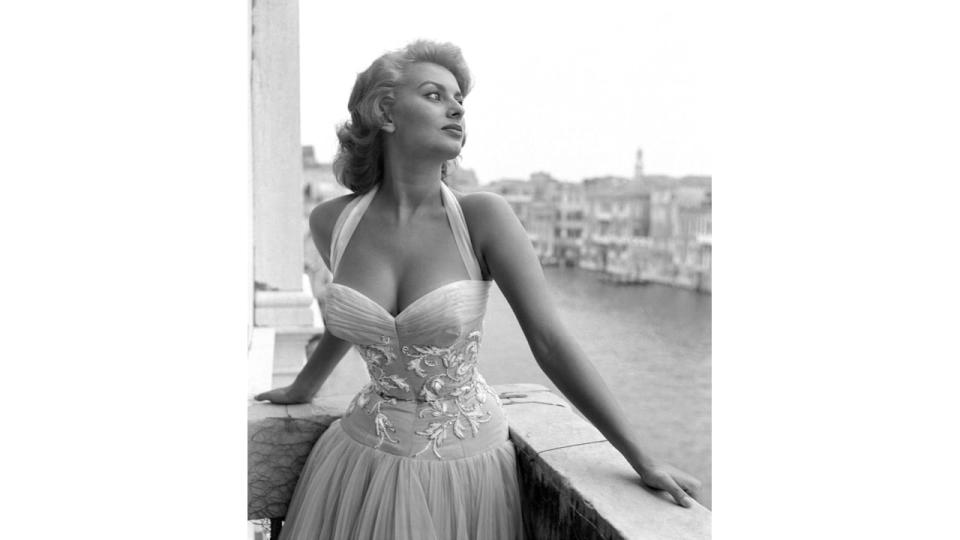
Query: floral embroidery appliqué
<point>377,356</point>
<point>453,392</point>
<point>380,420</point>
<point>447,394</point>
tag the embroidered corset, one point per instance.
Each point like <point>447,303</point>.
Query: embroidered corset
<point>426,367</point>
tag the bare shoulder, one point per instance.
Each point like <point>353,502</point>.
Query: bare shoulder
<point>494,227</point>
<point>323,218</point>
<point>487,213</point>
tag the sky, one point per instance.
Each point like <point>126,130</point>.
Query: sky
<point>570,91</point>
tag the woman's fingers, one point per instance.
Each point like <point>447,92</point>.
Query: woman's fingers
<point>686,482</point>
<point>680,485</point>
<point>678,492</point>
<point>665,481</point>
<point>272,396</point>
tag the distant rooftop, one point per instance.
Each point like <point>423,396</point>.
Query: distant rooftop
<point>662,180</point>
<point>310,159</point>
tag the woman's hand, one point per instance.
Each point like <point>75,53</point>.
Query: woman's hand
<point>282,396</point>
<point>681,485</point>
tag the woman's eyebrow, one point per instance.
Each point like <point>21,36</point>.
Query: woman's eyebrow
<point>442,87</point>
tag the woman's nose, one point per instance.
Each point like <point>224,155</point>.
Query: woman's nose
<point>456,110</point>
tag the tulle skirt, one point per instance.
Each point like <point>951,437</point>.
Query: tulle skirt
<point>349,490</point>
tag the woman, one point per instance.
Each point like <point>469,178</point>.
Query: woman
<point>422,451</point>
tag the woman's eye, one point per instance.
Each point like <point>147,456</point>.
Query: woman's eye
<point>434,96</point>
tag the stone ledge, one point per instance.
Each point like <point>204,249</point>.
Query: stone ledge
<point>574,484</point>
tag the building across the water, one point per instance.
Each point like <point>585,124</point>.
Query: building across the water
<point>649,228</point>
<point>678,252</point>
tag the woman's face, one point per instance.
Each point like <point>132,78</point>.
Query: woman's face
<point>427,114</point>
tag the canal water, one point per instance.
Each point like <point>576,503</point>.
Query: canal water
<point>651,344</point>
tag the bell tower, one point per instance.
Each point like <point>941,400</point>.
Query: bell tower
<point>638,166</point>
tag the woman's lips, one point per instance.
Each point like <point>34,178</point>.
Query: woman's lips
<point>454,130</point>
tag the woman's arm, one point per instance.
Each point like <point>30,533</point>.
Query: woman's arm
<point>327,355</point>
<point>331,349</point>
<point>511,261</point>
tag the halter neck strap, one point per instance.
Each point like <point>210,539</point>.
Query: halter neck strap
<point>354,210</point>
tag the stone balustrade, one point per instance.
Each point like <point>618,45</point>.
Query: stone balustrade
<point>574,484</point>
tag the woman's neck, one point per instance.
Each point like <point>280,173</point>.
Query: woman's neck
<point>409,189</point>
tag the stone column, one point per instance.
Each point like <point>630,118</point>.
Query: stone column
<point>279,300</point>
<point>280,303</point>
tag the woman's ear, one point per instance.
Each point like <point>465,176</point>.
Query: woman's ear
<point>386,116</point>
